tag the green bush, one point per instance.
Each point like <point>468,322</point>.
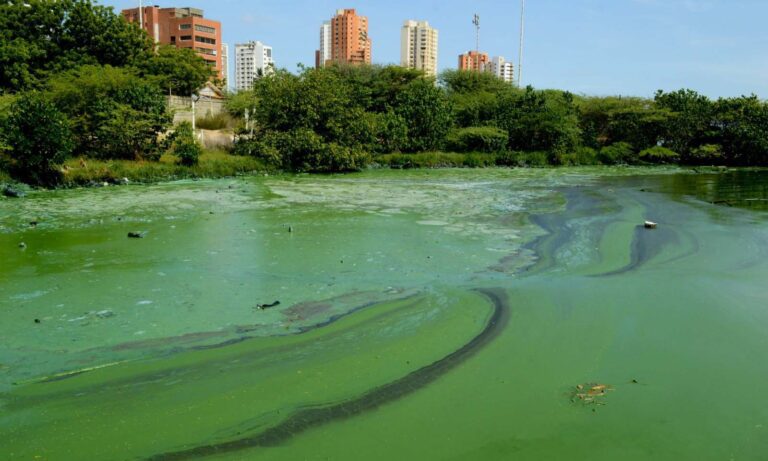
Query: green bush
<point>617,153</point>
<point>184,146</point>
<point>477,139</point>
<point>113,113</point>
<point>39,139</point>
<point>580,156</point>
<point>523,159</point>
<point>658,154</point>
<point>708,154</point>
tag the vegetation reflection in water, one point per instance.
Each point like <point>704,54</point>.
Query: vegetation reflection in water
<point>669,318</point>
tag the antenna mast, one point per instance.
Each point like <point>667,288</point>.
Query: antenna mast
<point>476,22</point>
<point>522,39</point>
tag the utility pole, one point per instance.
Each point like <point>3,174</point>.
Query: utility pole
<point>476,22</point>
<point>522,39</point>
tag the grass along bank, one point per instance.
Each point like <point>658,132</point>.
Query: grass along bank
<point>212,164</point>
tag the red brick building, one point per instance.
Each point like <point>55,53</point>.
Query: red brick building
<point>185,28</point>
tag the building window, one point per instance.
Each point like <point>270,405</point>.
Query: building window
<point>206,29</point>
<point>185,38</point>
<point>205,40</point>
<point>173,39</point>
<point>185,26</point>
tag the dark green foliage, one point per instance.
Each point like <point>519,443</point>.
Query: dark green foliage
<point>113,113</point>
<point>477,139</point>
<point>178,71</point>
<point>605,120</point>
<point>39,38</point>
<point>708,154</point>
<point>580,156</point>
<point>658,154</point>
<point>473,95</point>
<point>428,113</point>
<point>690,124</point>
<point>539,120</point>
<point>617,153</point>
<point>184,146</point>
<point>742,125</point>
<point>39,139</point>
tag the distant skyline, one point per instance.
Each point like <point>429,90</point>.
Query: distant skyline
<point>600,47</point>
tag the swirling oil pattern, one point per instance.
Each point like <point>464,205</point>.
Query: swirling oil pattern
<point>392,337</point>
<point>311,417</point>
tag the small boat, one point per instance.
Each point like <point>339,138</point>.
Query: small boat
<point>650,225</point>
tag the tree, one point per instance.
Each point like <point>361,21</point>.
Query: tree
<point>39,38</point>
<point>473,95</point>
<point>176,70</point>
<point>113,112</point>
<point>741,123</point>
<point>690,124</point>
<point>184,146</point>
<point>39,139</point>
<point>607,120</point>
<point>539,120</point>
<point>428,115</point>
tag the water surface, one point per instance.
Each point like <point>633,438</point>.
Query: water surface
<point>423,315</point>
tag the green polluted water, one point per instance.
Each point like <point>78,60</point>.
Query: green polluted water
<point>432,315</point>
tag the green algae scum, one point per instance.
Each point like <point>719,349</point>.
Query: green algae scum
<point>426,315</point>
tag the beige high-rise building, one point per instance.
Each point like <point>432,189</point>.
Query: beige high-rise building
<point>418,47</point>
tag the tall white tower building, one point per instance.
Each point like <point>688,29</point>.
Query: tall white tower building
<point>252,60</point>
<point>502,69</point>
<point>418,47</point>
<point>323,54</point>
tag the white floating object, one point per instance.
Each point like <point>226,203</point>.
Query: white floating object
<point>650,225</point>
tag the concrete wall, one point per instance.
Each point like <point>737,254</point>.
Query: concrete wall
<point>182,107</point>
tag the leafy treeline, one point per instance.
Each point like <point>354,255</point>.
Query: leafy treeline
<point>77,79</point>
<point>340,118</point>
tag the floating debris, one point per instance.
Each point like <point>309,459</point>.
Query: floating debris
<point>650,225</point>
<point>267,306</point>
<point>590,393</point>
<point>136,235</point>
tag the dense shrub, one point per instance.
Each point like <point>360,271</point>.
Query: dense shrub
<point>113,112</point>
<point>39,139</point>
<point>477,139</point>
<point>617,153</point>
<point>184,145</point>
<point>538,120</point>
<point>428,113</point>
<point>580,156</point>
<point>708,154</point>
<point>658,154</point>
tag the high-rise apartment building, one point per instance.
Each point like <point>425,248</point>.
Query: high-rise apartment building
<point>473,60</point>
<point>418,47</point>
<point>252,60</point>
<point>502,69</point>
<point>183,27</point>
<point>225,63</point>
<point>323,55</point>
<point>349,41</point>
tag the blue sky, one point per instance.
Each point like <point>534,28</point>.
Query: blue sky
<point>630,47</point>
